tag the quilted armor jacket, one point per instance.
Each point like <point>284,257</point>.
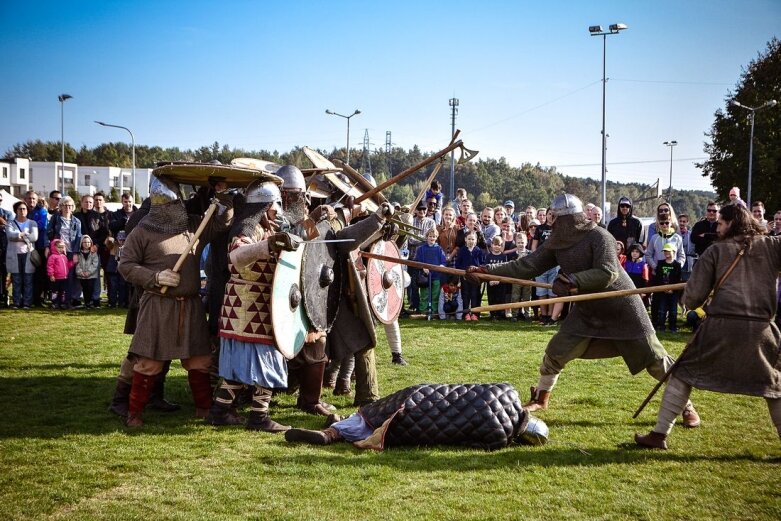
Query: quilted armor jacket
<point>486,416</point>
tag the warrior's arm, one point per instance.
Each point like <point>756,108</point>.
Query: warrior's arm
<point>130,264</point>
<point>701,281</point>
<point>603,272</point>
<point>528,266</point>
<point>359,232</point>
<point>245,253</point>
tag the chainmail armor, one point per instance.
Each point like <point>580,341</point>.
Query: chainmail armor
<point>568,230</point>
<point>168,219</point>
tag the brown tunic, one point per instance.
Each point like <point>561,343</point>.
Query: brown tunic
<point>173,325</point>
<point>737,347</point>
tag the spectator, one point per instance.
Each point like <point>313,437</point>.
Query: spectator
<point>22,234</point>
<point>430,253</point>
<point>655,254</point>
<point>531,231</point>
<point>460,196</point>
<point>450,299</point>
<point>668,271</point>
<point>596,216</point>
<point>487,225</point>
<point>58,265</point>
<point>499,215</point>
<point>497,292</point>
<point>5,217</point>
<point>664,212</point>
<point>704,232</point>
<point>447,235</point>
<point>435,191</point>
<point>431,210</point>
<point>620,253</point>
<point>119,218</point>
<point>734,197</point>
<point>520,293</point>
<point>758,211</point>
<point>64,226</point>
<point>423,224</point>
<point>54,201</point>
<point>509,207</point>
<point>38,213</point>
<point>625,227</point>
<point>469,255</point>
<point>87,264</point>
<point>636,267</point>
<point>530,213</point>
<point>590,210</point>
<point>471,226</point>
<point>688,246</point>
<point>549,315</point>
<point>508,235</point>
<point>118,288</point>
<point>99,236</point>
<point>466,209</point>
<point>776,224</point>
<point>541,214</point>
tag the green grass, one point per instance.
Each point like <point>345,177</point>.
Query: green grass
<point>62,456</point>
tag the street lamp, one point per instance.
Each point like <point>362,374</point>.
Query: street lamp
<point>327,111</point>
<point>62,99</point>
<point>596,30</point>
<point>670,144</point>
<point>133,152</point>
<point>752,110</point>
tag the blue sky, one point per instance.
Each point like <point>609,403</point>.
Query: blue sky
<point>260,74</point>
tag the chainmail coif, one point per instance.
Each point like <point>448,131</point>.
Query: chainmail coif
<point>169,219</point>
<point>568,230</point>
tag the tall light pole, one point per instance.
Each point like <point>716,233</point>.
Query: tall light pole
<point>752,111</point>
<point>453,112</point>
<point>62,99</point>
<point>670,144</point>
<point>133,156</point>
<point>327,111</point>
<point>596,30</point>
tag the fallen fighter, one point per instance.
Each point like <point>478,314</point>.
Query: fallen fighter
<point>486,416</point>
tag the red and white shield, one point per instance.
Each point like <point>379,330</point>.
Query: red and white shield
<point>385,282</point>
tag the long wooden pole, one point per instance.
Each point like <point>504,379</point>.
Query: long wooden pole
<point>454,271</point>
<point>206,217</point>
<point>411,170</point>
<point>581,298</point>
<point>426,186</point>
<point>358,179</point>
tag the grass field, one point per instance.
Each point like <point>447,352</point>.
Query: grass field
<point>63,456</point>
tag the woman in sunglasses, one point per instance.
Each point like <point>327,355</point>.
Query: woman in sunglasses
<point>665,237</point>
<point>664,212</point>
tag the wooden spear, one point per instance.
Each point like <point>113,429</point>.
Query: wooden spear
<point>454,271</point>
<point>411,170</point>
<point>206,216</point>
<point>581,298</point>
<point>426,186</point>
<point>358,179</point>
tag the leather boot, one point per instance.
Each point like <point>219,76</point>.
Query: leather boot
<point>342,387</point>
<point>259,419</point>
<point>329,377</point>
<point>538,401</point>
<point>139,397</point>
<point>158,401</point>
<point>223,411</point>
<point>119,403</point>
<point>691,419</point>
<point>397,359</point>
<point>652,440</point>
<point>310,388</point>
<point>324,437</point>
<point>200,386</point>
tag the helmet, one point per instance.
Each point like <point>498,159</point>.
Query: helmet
<point>369,177</point>
<point>566,204</point>
<point>263,192</point>
<point>292,179</point>
<point>536,432</point>
<point>163,191</point>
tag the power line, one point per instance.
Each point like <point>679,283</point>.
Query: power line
<point>634,162</point>
<point>668,82</point>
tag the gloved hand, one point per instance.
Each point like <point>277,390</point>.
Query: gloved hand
<point>389,230</point>
<point>267,224</point>
<point>167,278</point>
<point>385,210</point>
<point>565,285</point>
<point>471,272</point>
<point>283,241</point>
<point>322,212</point>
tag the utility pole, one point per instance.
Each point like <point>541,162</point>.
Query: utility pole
<point>388,150</point>
<point>453,112</point>
<point>366,164</point>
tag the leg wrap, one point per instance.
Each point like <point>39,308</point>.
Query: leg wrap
<point>261,400</point>
<point>139,393</point>
<point>547,382</point>
<point>200,385</point>
<point>774,406</point>
<point>393,334</point>
<point>347,365</point>
<point>367,388</point>
<point>226,393</point>
<point>676,396</point>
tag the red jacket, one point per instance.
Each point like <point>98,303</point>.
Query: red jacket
<point>58,265</point>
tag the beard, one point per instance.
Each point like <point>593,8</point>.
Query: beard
<point>296,211</point>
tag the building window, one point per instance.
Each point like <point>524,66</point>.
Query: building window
<point>87,179</point>
<point>5,172</point>
<point>21,173</point>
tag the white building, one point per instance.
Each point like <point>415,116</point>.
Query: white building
<point>46,176</point>
<point>16,176</point>
<point>105,178</point>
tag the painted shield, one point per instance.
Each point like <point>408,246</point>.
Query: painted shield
<point>321,279</point>
<point>385,282</point>
<point>235,176</point>
<point>288,318</point>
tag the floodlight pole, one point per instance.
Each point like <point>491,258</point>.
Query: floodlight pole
<point>330,112</point>
<point>752,111</point>
<point>62,98</point>
<point>670,144</point>
<point>133,156</point>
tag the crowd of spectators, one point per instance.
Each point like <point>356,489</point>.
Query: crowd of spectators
<point>63,257</point>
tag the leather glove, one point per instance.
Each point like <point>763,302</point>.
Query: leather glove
<point>283,241</point>
<point>471,272</point>
<point>565,285</point>
<point>389,230</point>
<point>167,278</point>
<point>385,210</point>
<point>322,212</point>
<point>272,226</point>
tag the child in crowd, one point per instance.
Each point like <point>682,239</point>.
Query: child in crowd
<point>87,270</point>
<point>637,269</point>
<point>497,292</point>
<point>435,191</point>
<point>430,253</point>
<point>117,285</point>
<point>57,267</point>
<point>520,293</point>
<point>469,255</point>
<point>620,252</point>
<point>668,271</point>
<point>450,299</point>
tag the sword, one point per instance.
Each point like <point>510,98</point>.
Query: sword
<point>326,241</point>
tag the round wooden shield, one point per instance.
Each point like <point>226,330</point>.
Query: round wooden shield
<point>385,282</point>
<point>199,173</point>
<point>321,279</point>
<point>288,318</point>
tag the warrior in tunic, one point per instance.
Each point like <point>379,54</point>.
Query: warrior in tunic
<point>736,348</point>
<point>593,329</point>
<point>248,356</point>
<point>172,321</point>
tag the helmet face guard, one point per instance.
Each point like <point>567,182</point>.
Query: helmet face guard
<point>566,204</point>
<point>163,191</point>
